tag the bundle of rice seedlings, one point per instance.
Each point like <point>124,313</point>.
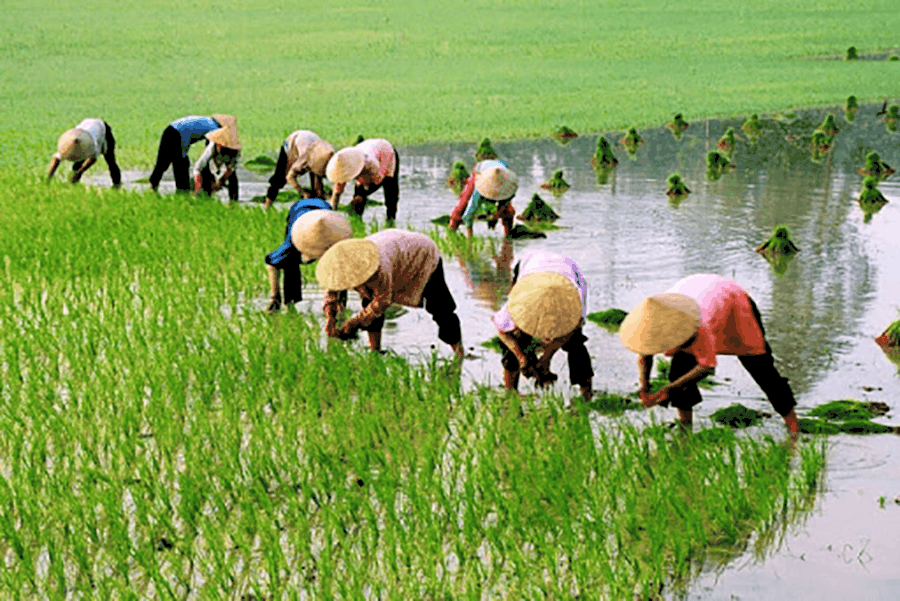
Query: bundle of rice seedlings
<point>851,108</point>
<point>603,156</point>
<point>779,243</point>
<point>870,194</point>
<point>610,319</point>
<point>829,126</point>
<point>875,166</point>
<point>738,416</point>
<point>677,125</point>
<point>752,126</point>
<point>458,176</point>
<point>675,186</point>
<point>632,141</point>
<point>538,210</point>
<point>485,151</point>
<point>851,54</point>
<point>556,183</point>
<point>564,132</point>
<point>726,142</point>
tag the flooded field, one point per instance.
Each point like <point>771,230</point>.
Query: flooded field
<point>821,314</point>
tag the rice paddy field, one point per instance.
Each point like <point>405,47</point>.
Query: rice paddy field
<point>162,437</point>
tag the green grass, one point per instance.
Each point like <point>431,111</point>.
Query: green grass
<point>414,72</point>
<point>162,436</point>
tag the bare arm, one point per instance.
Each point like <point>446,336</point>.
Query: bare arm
<point>336,192</point>
<point>84,167</point>
<point>54,163</point>
<point>697,373</point>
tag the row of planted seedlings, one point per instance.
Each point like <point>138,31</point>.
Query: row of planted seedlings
<point>165,438</point>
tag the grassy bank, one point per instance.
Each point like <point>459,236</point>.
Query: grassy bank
<point>419,71</point>
<point>161,437</point>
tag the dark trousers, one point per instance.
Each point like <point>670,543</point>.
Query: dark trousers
<point>760,367</point>
<point>207,179</point>
<point>439,303</point>
<point>170,154</point>
<point>391,186</point>
<point>278,179</point>
<point>580,370</point>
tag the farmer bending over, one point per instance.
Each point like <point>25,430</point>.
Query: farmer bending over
<point>374,164</point>
<point>174,144</point>
<point>302,152</point>
<point>312,228</point>
<point>695,320</point>
<point>490,183</point>
<point>82,145</point>
<point>391,266</point>
<point>216,166</point>
<point>548,301</point>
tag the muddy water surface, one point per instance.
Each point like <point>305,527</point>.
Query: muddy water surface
<point>821,314</point>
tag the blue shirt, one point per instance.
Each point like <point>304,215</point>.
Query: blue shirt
<point>192,129</point>
<point>476,200</point>
<point>284,254</point>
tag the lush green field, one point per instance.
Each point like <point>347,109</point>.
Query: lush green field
<point>417,71</point>
<point>162,437</point>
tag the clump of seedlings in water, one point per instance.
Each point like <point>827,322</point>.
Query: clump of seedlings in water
<point>565,134</point>
<point>260,163</point>
<point>820,143</point>
<point>851,108</point>
<point>632,141</point>
<point>892,118</point>
<point>556,184</point>
<point>538,211</point>
<point>523,232</point>
<point>726,142</point>
<point>603,174</point>
<point>870,194</point>
<point>458,176</point>
<point>849,416</point>
<point>875,166</point>
<point>717,165</point>
<point>752,127</point>
<point>677,125</point>
<point>738,416</point>
<point>603,155</point>
<point>851,54</point>
<point>675,186</point>
<point>610,319</point>
<point>829,126</point>
<point>485,151</point>
<point>779,243</point>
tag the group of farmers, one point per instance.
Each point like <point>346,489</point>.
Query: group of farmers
<point>697,319</point>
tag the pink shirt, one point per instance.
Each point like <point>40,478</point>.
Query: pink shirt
<point>727,323</point>
<point>380,158</point>
<point>406,261</point>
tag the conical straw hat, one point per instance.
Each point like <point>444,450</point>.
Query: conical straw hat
<point>320,152</point>
<point>347,264</point>
<point>316,231</point>
<point>496,183</point>
<point>346,164</point>
<point>225,120</point>
<point>660,323</point>
<point>546,305</point>
<point>75,145</point>
<point>226,136</point>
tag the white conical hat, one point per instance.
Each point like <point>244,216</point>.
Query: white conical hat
<point>496,183</point>
<point>319,154</point>
<point>226,136</point>
<point>316,231</point>
<point>545,304</point>
<point>346,164</point>
<point>660,323</point>
<point>75,145</point>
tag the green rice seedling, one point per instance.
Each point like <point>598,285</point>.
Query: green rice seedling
<point>677,125</point>
<point>485,151</point>
<point>556,184</point>
<point>864,426</point>
<point>829,126</point>
<point>603,156</point>
<point>843,410</point>
<point>661,376</point>
<point>870,194</point>
<point>717,164</point>
<point>523,232</point>
<point>632,141</point>
<point>611,404</point>
<point>675,186</point>
<point>289,196</point>
<point>779,243</point>
<point>891,336</point>
<point>752,127</point>
<point>538,211</point>
<point>737,416</point>
<point>851,54</point>
<point>603,174</point>
<point>851,107</point>
<point>564,134</point>
<point>785,117</point>
<point>610,319</point>
<point>441,219</point>
<point>875,167</point>
<point>894,58</point>
<point>892,118</point>
<point>726,142</point>
<point>458,176</point>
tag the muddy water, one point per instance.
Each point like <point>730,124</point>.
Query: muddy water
<point>821,314</point>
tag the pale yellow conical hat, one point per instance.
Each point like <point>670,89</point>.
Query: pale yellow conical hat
<point>225,120</point>
<point>660,323</point>
<point>75,145</point>
<point>546,305</point>
<point>316,231</point>
<point>320,152</point>
<point>346,164</point>
<point>348,264</point>
<point>226,136</point>
<point>496,183</point>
